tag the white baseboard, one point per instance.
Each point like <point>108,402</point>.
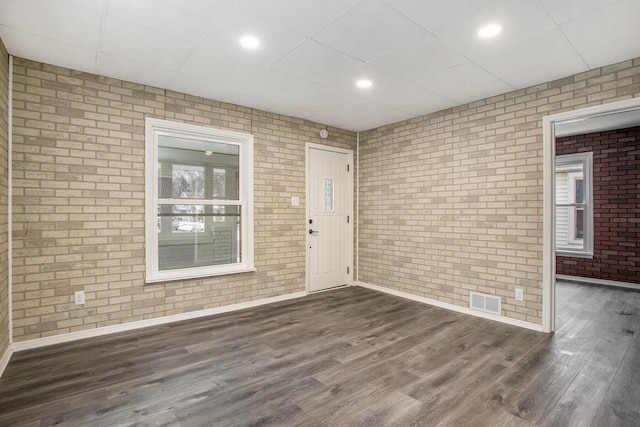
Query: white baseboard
<point>452,307</point>
<point>598,281</point>
<point>5,359</point>
<point>90,333</point>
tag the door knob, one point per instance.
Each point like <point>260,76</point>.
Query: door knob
<point>313,232</point>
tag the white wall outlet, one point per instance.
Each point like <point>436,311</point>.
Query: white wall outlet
<point>295,201</point>
<point>79,297</point>
<point>519,295</point>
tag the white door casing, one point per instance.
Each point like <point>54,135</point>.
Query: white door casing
<point>329,217</point>
<point>548,215</point>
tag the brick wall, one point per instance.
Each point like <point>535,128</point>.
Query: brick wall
<point>616,205</point>
<point>79,201</point>
<point>452,202</point>
<point>4,191</point>
<point>449,202</point>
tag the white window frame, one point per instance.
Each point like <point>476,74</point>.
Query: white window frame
<point>157,127</point>
<point>572,177</point>
<point>586,159</point>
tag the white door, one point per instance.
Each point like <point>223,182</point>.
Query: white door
<point>329,222</point>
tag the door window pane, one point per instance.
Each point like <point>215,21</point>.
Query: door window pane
<point>328,195</point>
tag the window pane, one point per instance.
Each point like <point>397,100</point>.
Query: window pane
<point>188,182</point>
<point>219,184</point>
<point>194,169</point>
<point>579,231</point>
<point>569,221</point>
<point>328,195</point>
<point>579,195</point>
<point>569,183</point>
<point>198,235</point>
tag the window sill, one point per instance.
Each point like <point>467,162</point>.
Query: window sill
<point>196,273</point>
<point>573,254</point>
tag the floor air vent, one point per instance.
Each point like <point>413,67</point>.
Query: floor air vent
<point>487,303</point>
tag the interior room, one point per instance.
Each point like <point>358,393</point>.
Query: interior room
<point>361,212</point>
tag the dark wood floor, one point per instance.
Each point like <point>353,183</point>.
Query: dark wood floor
<point>350,357</point>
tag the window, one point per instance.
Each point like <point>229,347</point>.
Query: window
<point>199,195</point>
<point>574,205</point>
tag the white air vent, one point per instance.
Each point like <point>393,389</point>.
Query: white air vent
<point>487,303</point>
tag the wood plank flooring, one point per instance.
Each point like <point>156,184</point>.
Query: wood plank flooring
<point>349,357</point>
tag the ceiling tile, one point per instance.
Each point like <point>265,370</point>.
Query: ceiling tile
<point>124,69</point>
<point>464,83</point>
<point>292,109</point>
<point>224,38</point>
<point>532,54</point>
<point>609,25</point>
<point>217,67</point>
<point>362,125</point>
<point>599,123</point>
<point>568,10</point>
<point>93,5</point>
<point>612,53</point>
<point>197,86</point>
<point>184,19</point>
<point>53,19</point>
<point>369,30</point>
<point>343,89</point>
<point>252,99</point>
<point>304,17</point>
<point>432,14</point>
<point>413,99</point>
<point>123,39</point>
<point>520,19</point>
<point>342,121</point>
<point>418,58</point>
<point>29,46</point>
<point>368,109</point>
<point>380,79</point>
<point>546,72</point>
<point>328,97</point>
<point>279,84</point>
<point>316,62</point>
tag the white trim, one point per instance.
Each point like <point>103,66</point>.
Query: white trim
<point>548,185</point>
<point>6,357</point>
<point>586,160</point>
<point>319,291</point>
<point>10,205</point>
<point>97,332</point>
<point>244,142</point>
<point>452,307</point>
<point>357,221</point>
<point>548,226</point>
<point>349,153</point>
<point>603,282</point>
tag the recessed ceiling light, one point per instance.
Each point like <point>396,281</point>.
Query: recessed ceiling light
<point>364,83</point>
<point>250,42</point>
<point>489,31</point>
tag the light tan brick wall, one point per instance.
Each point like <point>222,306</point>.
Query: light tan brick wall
<point>4,191</point>
<point>79,201</point>
<point>452,202</point>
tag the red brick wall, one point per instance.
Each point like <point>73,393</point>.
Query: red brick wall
<point>616,214</point>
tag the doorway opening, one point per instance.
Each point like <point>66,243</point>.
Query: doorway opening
<point>616,115</point>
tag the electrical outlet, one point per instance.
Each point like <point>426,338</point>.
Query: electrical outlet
<point>519,295</point>
<point>79,297</point>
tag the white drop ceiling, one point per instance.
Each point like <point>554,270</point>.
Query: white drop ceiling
<point>421,55</point>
